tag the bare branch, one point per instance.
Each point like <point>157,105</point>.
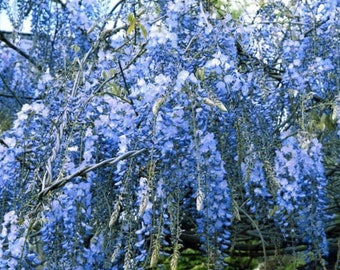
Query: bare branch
<point>124,80</point>
<point>18,50</point>
<point>60,2</point>
<point>17,97</point>
<point>10,90</point>
<point>82,171</point>
<point>3,143</point>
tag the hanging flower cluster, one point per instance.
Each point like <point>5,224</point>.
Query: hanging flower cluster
<point>155,126</point>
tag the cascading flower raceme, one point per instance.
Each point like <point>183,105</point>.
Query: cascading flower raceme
<point>149,128</point>
<point>300,175</point>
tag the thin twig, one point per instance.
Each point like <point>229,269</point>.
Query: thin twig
<point>122,72</point>
<point>141,51</point>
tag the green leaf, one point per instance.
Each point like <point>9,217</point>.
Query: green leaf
<point>131,18</point>
<point>330,124</point>
<point>108,73</point>
<point>111,72</point>
<point>104,74</point>
<point>323,121</point>
<point>334,114</point>
<point>115,90</point>
<point>274,210</point>
<point>200,73</point>
<point>157,105</point>
<point>144,32</point>
<point>75,47</point>
<point>215,103</point>
<point>132,23</point>
<point>131,28</point>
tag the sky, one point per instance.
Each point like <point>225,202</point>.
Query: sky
<point>5,24</point>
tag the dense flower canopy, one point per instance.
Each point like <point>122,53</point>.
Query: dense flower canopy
<point>145,123</point>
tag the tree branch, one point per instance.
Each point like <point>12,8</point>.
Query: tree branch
<point>60,2</point>
<point>18,50</point>
<point>3,143</point>
<point>272,72</point>
<point>82,171</point>
<point>16,97</point>
<point>9,90</point>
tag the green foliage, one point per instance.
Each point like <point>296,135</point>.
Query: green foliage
<point>133,23</point>
<point>236,263</point>
<point>223,7</point>
<point>5,121</point>
<point>189,259</point>
<point>193,260</point>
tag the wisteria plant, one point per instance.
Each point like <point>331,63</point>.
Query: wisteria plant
<point>148,127</point>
